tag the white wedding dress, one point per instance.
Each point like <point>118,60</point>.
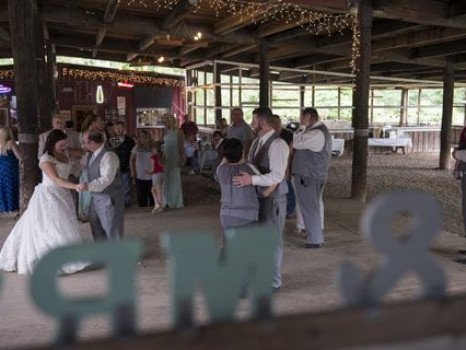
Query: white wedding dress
<point>49,222</point>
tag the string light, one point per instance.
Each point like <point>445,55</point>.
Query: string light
<point>129,77</point>
<point>198,36</point>
<point>272,11</point>
<point>161,59</point>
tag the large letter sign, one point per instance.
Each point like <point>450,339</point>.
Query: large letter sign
<point>121,260</point>
<point>247,264</point>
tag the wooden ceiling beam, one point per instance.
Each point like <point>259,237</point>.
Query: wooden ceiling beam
<point>186,49</point>
<point>456,7</point>
<point>73,52</point>
<point>5,34</point>
<point>445,49</point>
<point>78,18</point>
<point>382,30</point>
<point>178,13</point>
<point>100,36</point>
<point>144,26</point>
<point>125,48</point>
<point>111,11</point>
<point>276,28</point>
<point>430,12</point>
<point>109,16</point>
<point>237,50</point>
<point>322,5</point>
<point>238,21</point>
<point>131,56</point>
<point>425,37</point>
<point>313,60</point>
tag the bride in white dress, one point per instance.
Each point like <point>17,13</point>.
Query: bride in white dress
<point>50,219</point>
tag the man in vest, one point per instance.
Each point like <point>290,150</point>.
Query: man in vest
<point>122,146</point>
<point>269,153</point>
<point>312,145</point>
<point>108,204</point>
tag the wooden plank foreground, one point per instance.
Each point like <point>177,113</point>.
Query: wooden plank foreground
<point>401,322</point>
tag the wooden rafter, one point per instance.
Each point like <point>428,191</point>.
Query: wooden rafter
<point>111,11</point>
<point>430,12</point>
<point>237,21</point>
<point>444,49</point>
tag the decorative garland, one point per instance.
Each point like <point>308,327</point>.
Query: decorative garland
<point>129,77</point>
<point>314,22</point>
<point>7,74</point>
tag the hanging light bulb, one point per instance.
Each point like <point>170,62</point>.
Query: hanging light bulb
<point>161,59</point>
<point>99,94</point>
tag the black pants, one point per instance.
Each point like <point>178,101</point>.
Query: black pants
<point>144,194</point>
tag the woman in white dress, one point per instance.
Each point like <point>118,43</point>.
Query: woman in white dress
<point>50,219</point>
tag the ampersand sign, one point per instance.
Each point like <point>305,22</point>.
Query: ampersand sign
<point>400,255</point>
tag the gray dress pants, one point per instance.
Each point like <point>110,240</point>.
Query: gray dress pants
<point>272,211</point>
<point>106,216</point>
<point>309,194</point>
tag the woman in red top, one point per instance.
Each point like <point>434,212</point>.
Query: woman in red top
<point>157,177</point>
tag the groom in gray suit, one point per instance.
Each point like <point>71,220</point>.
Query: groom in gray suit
<point>107,205</point>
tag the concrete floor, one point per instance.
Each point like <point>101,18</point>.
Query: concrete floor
<point>308,275</point>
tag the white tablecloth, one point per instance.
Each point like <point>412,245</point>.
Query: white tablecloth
<point>338,146</point>
<point>396,142</point>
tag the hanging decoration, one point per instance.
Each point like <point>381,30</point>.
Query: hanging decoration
<point>314,22</point>
<point>129,77</point>
<point>99,95</point>
<point>7,74</point>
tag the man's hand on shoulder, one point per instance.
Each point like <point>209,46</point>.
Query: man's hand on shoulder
<point>243,179</point>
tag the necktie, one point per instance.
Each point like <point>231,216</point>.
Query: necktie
<point>260,143</point>
<point>92,158</point>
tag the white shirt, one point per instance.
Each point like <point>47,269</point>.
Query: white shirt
<point>460,155</point>
<point>309,139</point>
<point>109,166</point>
<point>278,161</point>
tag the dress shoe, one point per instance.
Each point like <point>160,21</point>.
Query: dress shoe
<point>462,251</point>
<point>460,261</point>
<point>275,289</point>
<point>313,245</point>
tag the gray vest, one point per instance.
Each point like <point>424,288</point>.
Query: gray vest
<point>261,161</point>
<point>94,173</point>
<point>313,164</point>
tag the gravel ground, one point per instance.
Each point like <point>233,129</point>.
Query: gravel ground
<point>395,171</point>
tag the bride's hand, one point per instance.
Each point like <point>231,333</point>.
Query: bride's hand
<point>81,187</point>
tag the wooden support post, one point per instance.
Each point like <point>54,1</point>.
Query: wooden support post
<point>21,16</point>
<point>419,107</point>
<point>189,96</point>
<point>339,104</point>
<point>302,91</point>
<point>447,116</point>
<point>313,102</point>
<point>404,107</point>
<point>205,96</point>
<point>51,80</point>
<point>360,112</point>
<point>371,107</point>
<point>42,79</point>
<point>231,98</point>
<point>464,123</point>
<point>218,94</point>
<point>264,73</point>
